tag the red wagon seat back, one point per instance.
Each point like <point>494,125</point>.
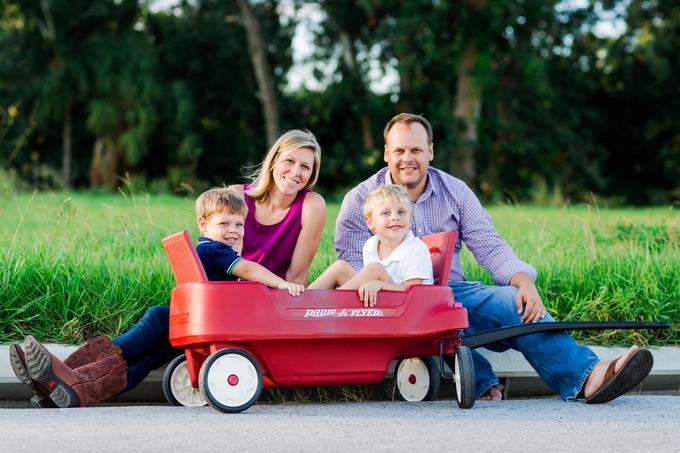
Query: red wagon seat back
<point>186,266</point>
<point>441,247</point>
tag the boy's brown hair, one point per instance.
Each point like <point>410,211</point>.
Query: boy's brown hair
<point>218,200</point>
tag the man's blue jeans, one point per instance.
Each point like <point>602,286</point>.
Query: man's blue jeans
<point>562,363</point>
<point>146,346</point>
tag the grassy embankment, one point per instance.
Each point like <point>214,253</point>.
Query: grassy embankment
<point>76,264</point>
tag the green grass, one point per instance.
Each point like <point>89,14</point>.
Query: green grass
<point>76,264</point>
<point>91,264</point>
<point>599,265</point>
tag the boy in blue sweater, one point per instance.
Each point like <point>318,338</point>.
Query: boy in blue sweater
<point>221,215</point>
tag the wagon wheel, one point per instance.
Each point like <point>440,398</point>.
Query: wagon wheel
<point>230,380</point>
<point>464,377</point>
<point>418,379</point>
<point>177,385</point>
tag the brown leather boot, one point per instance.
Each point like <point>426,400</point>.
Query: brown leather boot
<point>17,359</point>
<point>81,387</point>
<point>92,350</point>
<point>97,381</point>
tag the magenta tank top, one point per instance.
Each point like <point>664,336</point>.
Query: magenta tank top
<point>272,246</point>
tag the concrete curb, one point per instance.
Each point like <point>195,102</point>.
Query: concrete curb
<point>664,378</point>
<point>525,382</point>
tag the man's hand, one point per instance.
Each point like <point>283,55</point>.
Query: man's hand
<point>528,301</point>
<point>368,292</point>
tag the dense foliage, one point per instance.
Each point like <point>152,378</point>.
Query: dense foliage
<point>526,99</point>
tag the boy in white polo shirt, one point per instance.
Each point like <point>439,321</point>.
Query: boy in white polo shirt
<point>394,258</point>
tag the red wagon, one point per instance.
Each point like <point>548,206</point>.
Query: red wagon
<point>240,337</point>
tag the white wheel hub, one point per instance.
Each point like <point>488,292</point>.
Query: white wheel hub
<point>180,385</point>
<point>413,379</point>
<point>232,380</point>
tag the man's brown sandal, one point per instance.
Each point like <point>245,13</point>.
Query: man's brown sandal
<point>633,371</point>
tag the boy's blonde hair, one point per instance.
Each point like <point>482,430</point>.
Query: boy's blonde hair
<point>218,200</point>
<point>289,141</point>
<point>392,192</point>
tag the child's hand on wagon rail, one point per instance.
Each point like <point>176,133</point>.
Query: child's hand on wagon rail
<point>293,288</point>
<point>368,292</point>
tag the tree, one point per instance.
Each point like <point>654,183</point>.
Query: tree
<point>60,42</point>
<point>268,95</point>
<point>122,107</point>
<point>346,27</point>
<point>210,121</point>
<point>50,35</point>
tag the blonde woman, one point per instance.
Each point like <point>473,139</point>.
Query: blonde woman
<point>285,218</point>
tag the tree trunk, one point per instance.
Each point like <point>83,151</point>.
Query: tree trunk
<point>350,61</point>
<point>405,67</point>
<point>105,161</point>
<point>466,115</point>
<point>347,49</point>
<point>265,82</point>
<point>66,157</point>
<point>405,103</point>
<point>367,133</point>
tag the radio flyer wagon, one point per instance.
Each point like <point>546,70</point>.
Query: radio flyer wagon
<point>241,337</point>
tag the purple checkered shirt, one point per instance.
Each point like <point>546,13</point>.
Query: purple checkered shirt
<point>446,204</point>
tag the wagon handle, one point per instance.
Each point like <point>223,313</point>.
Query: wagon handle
<point>481,339</point>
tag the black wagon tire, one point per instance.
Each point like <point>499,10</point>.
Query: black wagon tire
<point>418,379</point>
<point>230,380</point>
<point>177,385</point>
<point>464,377</point>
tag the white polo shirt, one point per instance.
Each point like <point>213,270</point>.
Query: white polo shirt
<point>408,261</point>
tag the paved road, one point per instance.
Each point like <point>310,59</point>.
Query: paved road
<point>629,424</point>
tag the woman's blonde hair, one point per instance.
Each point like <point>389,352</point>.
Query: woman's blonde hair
<point>391,192</point>
<point>218,200</point>
<point>289,141</point>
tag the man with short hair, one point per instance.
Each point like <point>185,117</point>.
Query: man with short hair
<point>443,203</point>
